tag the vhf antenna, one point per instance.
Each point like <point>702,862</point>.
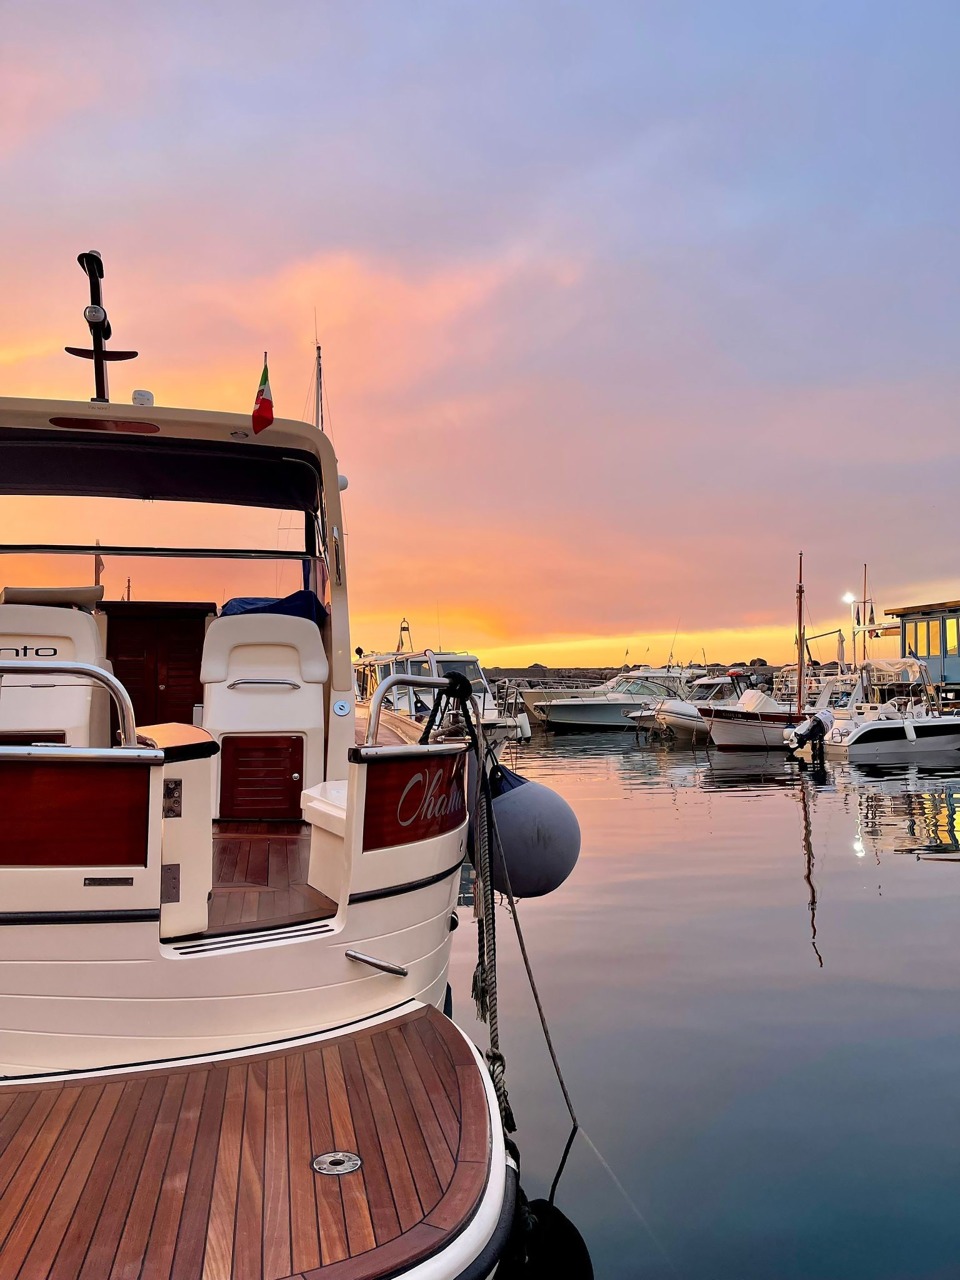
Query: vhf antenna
<point>96,317</point>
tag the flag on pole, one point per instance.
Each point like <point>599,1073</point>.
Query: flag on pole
<point>858,607</point>
<point>263,405</point>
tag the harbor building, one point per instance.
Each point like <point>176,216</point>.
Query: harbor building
<point>932,632</point>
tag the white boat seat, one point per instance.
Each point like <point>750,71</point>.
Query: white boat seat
<point>263,678</point>
<point>52,708</point>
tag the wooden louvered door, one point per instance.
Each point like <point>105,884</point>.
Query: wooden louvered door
<point>261,776</point>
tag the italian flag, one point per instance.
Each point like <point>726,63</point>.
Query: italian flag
<point>263,405</point>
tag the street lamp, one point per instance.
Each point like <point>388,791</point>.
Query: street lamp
<point>849,598</point>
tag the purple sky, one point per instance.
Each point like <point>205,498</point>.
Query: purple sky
<point>621,304</point>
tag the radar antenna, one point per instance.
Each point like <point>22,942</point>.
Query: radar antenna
<point>96,317</point>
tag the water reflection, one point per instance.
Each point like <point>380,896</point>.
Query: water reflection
<point>749,980</point>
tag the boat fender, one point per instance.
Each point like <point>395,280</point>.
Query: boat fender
<point>549,1246</point>
<point>539,834</point>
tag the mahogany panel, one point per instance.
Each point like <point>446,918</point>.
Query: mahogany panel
<point>73,813</point>
<point>413,799</point>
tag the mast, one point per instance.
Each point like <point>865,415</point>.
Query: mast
<point>801,639</point>
<point>864,616</point>
<point>318,403</point>
<point>96,317</point>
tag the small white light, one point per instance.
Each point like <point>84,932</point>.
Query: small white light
<point>94,314</point>
<point>342,483</point>
<point>143,397</point>
<point>848,598</point>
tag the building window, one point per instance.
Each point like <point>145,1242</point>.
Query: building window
<point>952,649</point>
<point>909,638</point>
<point>933,648</point>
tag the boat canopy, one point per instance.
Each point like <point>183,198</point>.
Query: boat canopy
<point>81,464</point>
<point>902,670</point>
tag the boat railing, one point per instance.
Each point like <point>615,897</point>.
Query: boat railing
<point>395,682</point>
<point>121,699</point>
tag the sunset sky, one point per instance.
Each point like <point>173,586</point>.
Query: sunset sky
<point>621,304</point>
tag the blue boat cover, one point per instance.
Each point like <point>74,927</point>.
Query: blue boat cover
<point>301,604</point>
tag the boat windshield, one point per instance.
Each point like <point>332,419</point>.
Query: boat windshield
<point>122,525</point>
<point>468,667</point>
<point>644,686</point>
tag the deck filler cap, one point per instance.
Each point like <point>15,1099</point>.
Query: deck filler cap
<point>336,1163</point>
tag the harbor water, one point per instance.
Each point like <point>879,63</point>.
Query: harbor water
<point>751,982</point>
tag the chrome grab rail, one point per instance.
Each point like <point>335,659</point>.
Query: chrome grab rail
<point>128,727</point>
<point>385,966</point>
<point>387,686</point>
<point>291,684</point>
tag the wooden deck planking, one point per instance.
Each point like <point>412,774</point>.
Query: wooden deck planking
<point>260,878</point>
<point>203,1172</point>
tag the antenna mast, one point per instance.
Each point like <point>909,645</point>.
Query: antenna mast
<point>801,639</point>
<point>96,317</point>
<point>318,405</point>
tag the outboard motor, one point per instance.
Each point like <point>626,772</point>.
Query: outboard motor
<point>813,731</point>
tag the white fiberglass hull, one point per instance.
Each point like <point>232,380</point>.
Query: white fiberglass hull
<point>900,740</point>
<point>683,720</point>
<point>588,715</point>
<point>736,730</point>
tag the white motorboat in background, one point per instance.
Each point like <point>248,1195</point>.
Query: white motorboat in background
<point>760,721</point>
<point>632,691</point>
<point>372,669</point>
<point>681,718</point>
<point>893,712</point>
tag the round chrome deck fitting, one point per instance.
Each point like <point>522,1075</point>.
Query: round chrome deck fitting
<point>336,1163</point>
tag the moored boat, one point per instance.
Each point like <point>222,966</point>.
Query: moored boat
<point>682,717</point>
<point>224,945</point>
<point>632,691</point>
<point>893,713</point>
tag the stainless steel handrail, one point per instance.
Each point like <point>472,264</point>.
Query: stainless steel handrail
<point>26,667</point>
<point>385,966</point>
<point>291,684</point>
<point>386,686</point>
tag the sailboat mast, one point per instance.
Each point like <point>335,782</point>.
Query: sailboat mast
<point>801,639</point>
<point>864,632</point>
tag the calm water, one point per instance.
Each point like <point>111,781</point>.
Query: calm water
<point>751,979</point>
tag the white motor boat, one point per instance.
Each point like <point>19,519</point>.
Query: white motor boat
<point>630,692</point>
<point>893,713</point>
<point>500,725</point>
<point>682,718</point>
<point>757,721</point>
<point>223,949</point>
<point>535,694</point>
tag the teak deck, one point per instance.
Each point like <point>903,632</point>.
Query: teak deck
<point>203,1172</point>
<point>259,878</point>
